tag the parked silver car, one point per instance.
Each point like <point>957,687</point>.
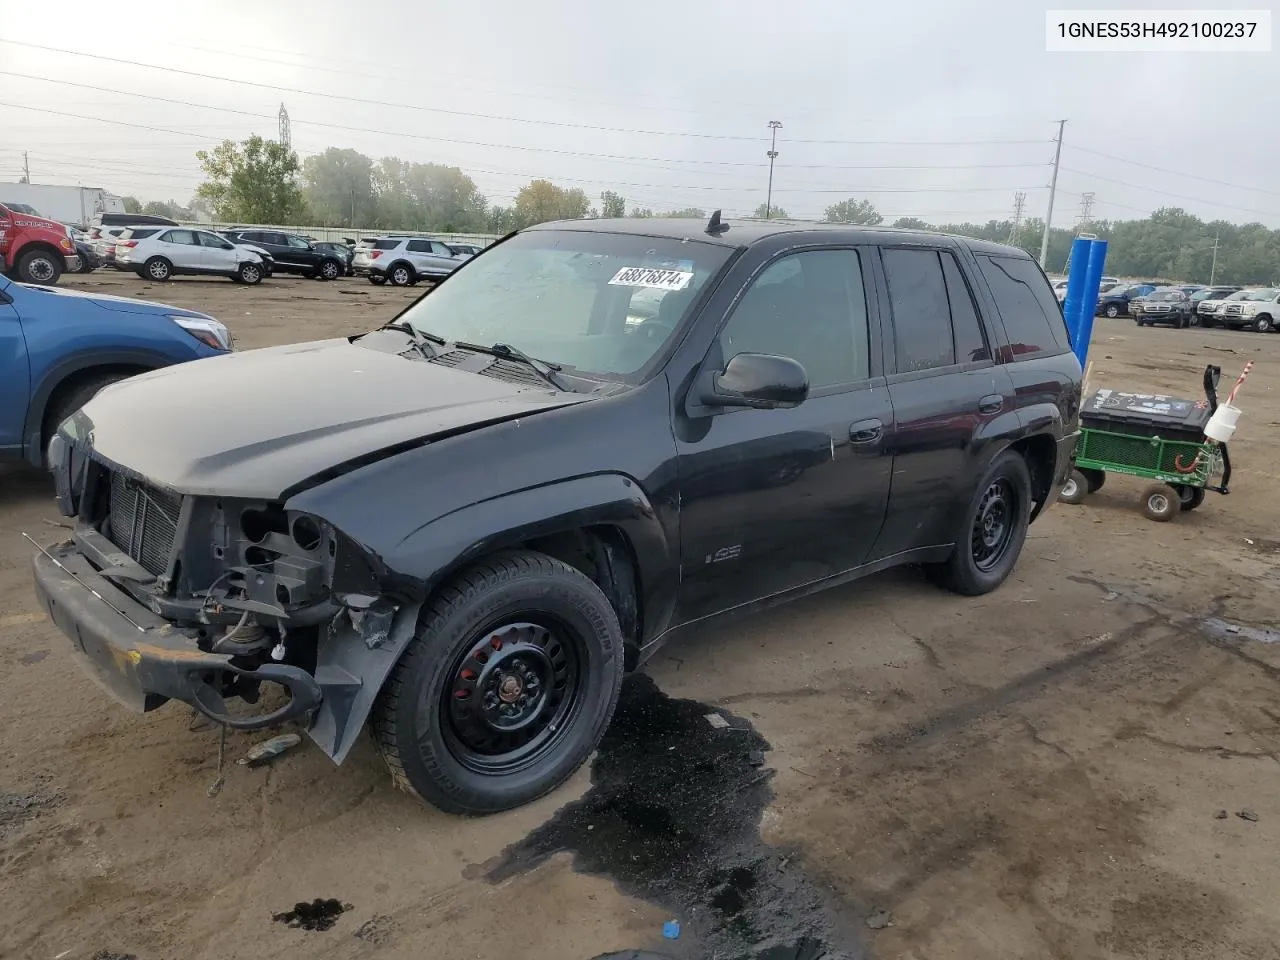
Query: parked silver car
<point>405,260</point>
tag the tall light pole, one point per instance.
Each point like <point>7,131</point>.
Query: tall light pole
<point>1053,189</point>
<point>774,127</point>
<point>1213,270</point>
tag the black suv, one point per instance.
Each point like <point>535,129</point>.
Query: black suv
<point>466,525</point>
<point>292,254</point>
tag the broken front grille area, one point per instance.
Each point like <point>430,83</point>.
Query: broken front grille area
<point>142,520</point>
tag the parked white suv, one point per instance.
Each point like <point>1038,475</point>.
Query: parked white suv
<point>180,250</point>
<point>405,260</point>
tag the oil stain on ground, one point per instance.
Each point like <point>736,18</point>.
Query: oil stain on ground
<point>319,914</point>
<point>673,817</point>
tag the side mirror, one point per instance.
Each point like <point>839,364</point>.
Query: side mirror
<point>759,380</point>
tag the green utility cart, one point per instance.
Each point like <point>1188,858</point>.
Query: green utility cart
<point>1155,437</point>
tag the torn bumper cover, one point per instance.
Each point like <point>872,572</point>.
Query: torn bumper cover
<point>149,661</point>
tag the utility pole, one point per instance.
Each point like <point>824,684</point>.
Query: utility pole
<point>26,168</point>
<point>1019,202</point>
<point>1213,270</point>
<point>774,126</point>
<point>1053,189</point>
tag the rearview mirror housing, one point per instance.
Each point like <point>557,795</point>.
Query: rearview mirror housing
<point>760,380</point>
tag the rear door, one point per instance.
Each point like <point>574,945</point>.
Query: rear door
<point>948,395</point>
<point>183,249</point>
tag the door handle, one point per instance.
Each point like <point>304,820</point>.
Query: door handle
<point>865,431</point>
<point>991,404</point>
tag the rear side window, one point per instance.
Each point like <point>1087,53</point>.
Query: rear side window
<point>385,244</point>
<point>921,312</point>
<point>138,233</point>
<point>419,246</point>
<point>1032,316</point>
<point>971,344</point>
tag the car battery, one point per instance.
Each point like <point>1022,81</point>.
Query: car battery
<point>1146,415</point>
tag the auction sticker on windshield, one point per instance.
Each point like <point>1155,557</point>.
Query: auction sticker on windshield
<point>653,278</point>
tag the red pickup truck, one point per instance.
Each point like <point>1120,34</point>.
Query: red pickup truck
<point>33,249</point>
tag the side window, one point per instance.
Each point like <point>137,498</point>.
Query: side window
<point>440,248</point>
<point>921,311</point>
<point>810,307</point>
<point>209,240</point>
<point>297,243</point>
<point>1031,313</point>
<point>419,246</point>
<point>971,344</point>
<point>185,237</point>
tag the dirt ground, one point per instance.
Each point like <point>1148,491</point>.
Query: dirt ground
<point>1084,764</point>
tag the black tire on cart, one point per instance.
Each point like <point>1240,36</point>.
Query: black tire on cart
<point>1096,478</point>
<point>1076,488</point>
<point>1190,497</point>
<point>506,688</point>
<point>1161,502</point>
<point>377,279</point>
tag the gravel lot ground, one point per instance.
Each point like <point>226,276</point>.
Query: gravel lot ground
<point>1037,773</point>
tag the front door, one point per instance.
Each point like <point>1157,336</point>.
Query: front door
<point>218,253</point>
<point>15,378</point>
<point>772,500</point>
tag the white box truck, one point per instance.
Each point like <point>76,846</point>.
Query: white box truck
<point>78,206</point>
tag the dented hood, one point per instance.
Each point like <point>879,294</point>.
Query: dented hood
<point>257,423</point>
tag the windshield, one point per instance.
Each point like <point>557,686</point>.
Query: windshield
<point>599,304</point>
<point>1266,294</point>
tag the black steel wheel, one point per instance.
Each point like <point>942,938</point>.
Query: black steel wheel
<point>506,689</point>
<point>995,528</point>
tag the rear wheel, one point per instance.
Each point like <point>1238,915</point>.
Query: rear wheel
<point>39,266</point>
<point>1075,489</point>
<point>994,531</point>
<point>1161,502</point>
<point>401,275</point>
<point>505,690</point>
<point>158,268</point>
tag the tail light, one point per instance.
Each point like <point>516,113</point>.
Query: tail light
<point>127,243</point>
<point>374,254</point>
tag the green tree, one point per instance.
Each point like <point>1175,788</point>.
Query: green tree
<point>911,223</point>
<point>612,204</point>
<point>687,213</point>
<point>641,213</point>
<point>173,210</point>
<point>501,220</point>
<point>854,211</point>
<point>763,212</point>
<point>255,181</point>
<point>541,200</point>
<point>339,187</point>
<point>131,204</point>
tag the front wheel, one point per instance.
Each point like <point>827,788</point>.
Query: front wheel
<point>249,273</point>
<point>1265,324</point>
<point>39,266</point>
<point>994,531</point>
<point>1111,312</point>
<point>1161,502</point>
<point>506,689</point>
<point>1189,497</point>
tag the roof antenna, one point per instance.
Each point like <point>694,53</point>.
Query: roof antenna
<point>714,226</point>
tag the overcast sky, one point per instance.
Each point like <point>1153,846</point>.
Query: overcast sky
<point>666,102</point>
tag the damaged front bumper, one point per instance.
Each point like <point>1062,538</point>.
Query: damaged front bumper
<point>143,660</point>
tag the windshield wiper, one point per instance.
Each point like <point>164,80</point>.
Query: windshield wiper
<point>418,337</point>
<point>544,368</point>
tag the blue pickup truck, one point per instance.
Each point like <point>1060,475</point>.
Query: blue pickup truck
<point>59,347</point>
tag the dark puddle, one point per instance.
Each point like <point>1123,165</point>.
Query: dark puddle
<point>319,914</point>
<point>673,817</point>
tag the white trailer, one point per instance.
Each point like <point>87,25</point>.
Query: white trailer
<point>79,206</point>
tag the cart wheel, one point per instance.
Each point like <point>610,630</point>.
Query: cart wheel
<point>1161,502</point>
<point>1075,489</point>
<point>1191,497</point>
<point>1096,478</point>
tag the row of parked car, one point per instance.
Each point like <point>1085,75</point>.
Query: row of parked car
<point>1188,305</point>
<point>161,250</point>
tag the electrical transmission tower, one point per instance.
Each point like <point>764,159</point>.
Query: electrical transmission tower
<point>1086,210</point>
<point>285,138</point>
<point>1019,204</point>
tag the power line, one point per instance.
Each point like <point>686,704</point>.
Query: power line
<point>1175,196</point>
<point>1176,173</point>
